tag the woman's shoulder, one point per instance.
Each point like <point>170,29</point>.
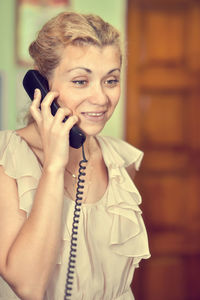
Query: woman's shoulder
<point>5,135</point>
<point>25,138</point>
<point>16,155</point>
<point>120,152</point>
<point>7,140</point>
<point>13,136</point>
<point>10,140</point>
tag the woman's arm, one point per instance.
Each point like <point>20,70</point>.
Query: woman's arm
<point>29,246</point>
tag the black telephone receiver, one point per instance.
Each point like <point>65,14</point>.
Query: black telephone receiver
<point>32,80</point>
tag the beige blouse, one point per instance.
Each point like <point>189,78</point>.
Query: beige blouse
<point>112,237</point>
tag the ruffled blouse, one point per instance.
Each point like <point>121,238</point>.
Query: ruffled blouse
<point>112,238</point>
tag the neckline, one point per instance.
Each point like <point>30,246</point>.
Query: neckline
<point>90,204</point>
<point>65,196</point>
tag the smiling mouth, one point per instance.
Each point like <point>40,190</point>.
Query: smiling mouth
<point>95,116</point>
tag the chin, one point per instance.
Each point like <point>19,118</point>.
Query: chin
<point>92,130</point>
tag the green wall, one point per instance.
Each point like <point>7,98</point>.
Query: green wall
<point>112,11</point>
<point>7,59</point>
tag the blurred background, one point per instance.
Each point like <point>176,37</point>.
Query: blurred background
<point>158,113</point>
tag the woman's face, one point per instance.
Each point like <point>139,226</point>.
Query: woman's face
<point>88,81</point>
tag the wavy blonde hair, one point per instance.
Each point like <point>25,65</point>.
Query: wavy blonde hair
<point>69,28</point>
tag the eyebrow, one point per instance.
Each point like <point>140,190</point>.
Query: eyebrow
<point>82,68</point>
<point>113,70</point>
<point>90,71</point>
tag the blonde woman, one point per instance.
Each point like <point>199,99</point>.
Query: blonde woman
<point>80,57</point>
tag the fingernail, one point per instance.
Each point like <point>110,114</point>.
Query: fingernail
<point>36,92</point>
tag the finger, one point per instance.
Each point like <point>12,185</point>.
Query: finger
<point>71,121</point>
<point>46,103</point>
<point>37,98</point>
<point>34,108</point>
<point>61,113</point>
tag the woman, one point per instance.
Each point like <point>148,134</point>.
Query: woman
<point>80,57</point>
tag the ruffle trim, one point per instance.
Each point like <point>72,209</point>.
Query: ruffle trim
<point>118,153</point>
<point>128,235</point>
<point>20,163</point>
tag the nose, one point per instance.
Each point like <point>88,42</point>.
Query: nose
<point>98,95</point>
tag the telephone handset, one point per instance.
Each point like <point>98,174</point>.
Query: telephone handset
<point>32,80</point>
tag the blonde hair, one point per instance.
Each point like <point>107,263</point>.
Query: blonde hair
<point>70,28</point>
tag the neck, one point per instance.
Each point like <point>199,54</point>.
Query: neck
<point>76,154</point>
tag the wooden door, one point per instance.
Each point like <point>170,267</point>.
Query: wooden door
<point>163,119</point>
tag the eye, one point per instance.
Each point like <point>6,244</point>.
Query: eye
<point>80,83</point>
<point>112,82</point>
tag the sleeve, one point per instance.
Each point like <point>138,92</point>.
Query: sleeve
<point>124,153</point>
<point>20,163</point>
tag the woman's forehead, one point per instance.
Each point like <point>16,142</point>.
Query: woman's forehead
<point>90,57</point>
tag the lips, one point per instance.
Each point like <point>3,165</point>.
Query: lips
<point>94,116</point>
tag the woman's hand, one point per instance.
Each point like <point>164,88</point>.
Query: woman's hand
<point>54,133</point>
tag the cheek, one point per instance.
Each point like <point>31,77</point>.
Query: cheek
<point>115,97</point>
<point>72,96</point>
<point>66,99</point>
<point>64,102</point>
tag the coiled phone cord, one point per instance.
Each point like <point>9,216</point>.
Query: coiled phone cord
<point>76,217</point>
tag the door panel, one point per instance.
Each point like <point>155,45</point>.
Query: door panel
<point>162,119</point>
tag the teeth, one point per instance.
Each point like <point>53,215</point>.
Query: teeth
<point>94,114</point>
